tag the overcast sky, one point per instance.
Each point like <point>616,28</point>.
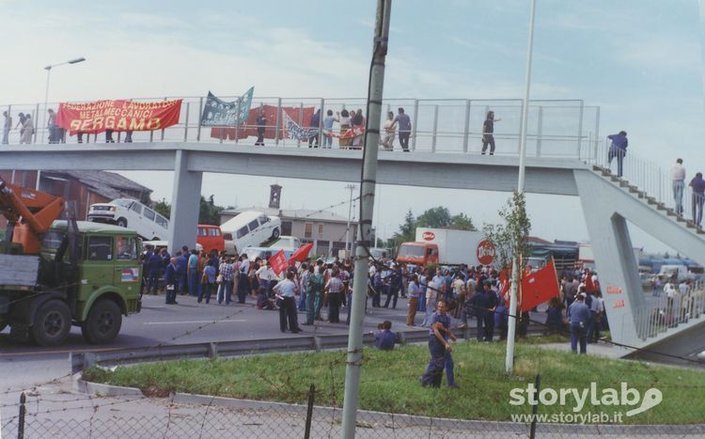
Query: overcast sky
<point>640,61</point>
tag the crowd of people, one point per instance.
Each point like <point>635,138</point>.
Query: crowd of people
<point>319,290</point>
<point>351,130</point>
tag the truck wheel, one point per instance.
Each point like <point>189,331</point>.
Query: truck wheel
<point>122,222</point>
<point>103,323</point>
<point>275,234</point>
<point>52,323</point>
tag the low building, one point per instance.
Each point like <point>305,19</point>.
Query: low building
<point>80,187</point>
<point>327,231</point>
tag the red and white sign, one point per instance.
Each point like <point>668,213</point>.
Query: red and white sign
<point>485,252</point>
<point>429,236</point>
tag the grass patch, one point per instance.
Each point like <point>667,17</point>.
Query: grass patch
<point>389,381</point>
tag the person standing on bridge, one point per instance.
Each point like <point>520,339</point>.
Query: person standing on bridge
<point>404,122</point>
<point>261,123</point>
<point>6,127</point>
<point>488,132</point>
<point>618,149</point>
<point>678,180</point>
<point>698,185</point>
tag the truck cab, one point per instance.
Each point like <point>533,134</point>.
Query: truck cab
<point>91,283</point>
<point>418,253</point>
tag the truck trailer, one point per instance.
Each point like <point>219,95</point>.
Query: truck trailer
<point>446,247</point>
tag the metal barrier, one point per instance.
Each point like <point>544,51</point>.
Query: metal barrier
<point>557,128</point>
<point>648,176</point>
<point>667,312</point>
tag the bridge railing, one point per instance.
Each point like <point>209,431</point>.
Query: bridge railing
<point>658,315</point>
<point>556,128</point>
<point>654,179</point>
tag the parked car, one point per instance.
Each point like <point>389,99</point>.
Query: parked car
<point>287,242</point>
<point>264,253</point>
<point>249,229</point>
<point>132,214</point>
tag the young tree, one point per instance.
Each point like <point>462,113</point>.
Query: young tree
<point>511,237</point>
<point>209,213</point>
<point>462,222</point>
<point>437,217</point>
<point>163,208</point>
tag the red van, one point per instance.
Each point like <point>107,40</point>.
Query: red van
<point>210,237</point>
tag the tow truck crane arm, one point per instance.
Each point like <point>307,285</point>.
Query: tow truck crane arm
<point>29,213</point>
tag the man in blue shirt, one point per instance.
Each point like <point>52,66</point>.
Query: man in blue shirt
<point>384,337</point>
<point>578,316</point>
<point>181,274</point>
<point>618,149</point>
<point>698,185</point>
<point>193,275</point>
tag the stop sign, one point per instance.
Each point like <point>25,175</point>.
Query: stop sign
<point>485,252</point>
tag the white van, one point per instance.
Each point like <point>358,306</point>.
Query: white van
<point>132,214</point>
<point>249,229</point>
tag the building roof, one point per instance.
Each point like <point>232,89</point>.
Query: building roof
<point>293,214</point>
<point>108,184</point>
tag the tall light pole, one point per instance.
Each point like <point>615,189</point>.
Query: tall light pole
<point>46,102</point>
<point>46,90</point>
<point>511,330</point>
<point>348,250</point>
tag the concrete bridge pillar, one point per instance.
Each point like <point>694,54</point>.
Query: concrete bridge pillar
<point>617,268</point>
<point>185,204</point>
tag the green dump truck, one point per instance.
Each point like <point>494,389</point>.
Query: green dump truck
<point>85,274</point>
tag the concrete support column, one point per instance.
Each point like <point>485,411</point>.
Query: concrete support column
<point>617,268</point>
<point>185,204</point>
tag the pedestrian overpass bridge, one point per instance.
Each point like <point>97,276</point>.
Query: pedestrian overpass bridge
<point>565,156</point>
<point>608,203</point>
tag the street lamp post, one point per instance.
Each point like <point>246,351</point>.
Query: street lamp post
<point>46,90</point>
<point>46,102</point>
<point>516,276</point>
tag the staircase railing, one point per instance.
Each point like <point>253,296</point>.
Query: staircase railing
<point>662,313</point>
<point>650,177</point>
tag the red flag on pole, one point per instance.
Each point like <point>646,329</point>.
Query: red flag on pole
<point>505,282</point>
<point>278,262</point>
<point>301,253</point>
<point>539,286</point>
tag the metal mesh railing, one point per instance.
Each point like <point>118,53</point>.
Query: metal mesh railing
<point>81,416</point>
<point>556,128</point>
<point>666,311</point>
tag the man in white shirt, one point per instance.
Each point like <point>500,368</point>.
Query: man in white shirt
<point>287,290</point>
<point>678,181</point>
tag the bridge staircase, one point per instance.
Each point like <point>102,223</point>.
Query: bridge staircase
<point>658,322</point>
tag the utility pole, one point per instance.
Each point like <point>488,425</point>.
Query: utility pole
<point>516,276</point>
<point>348,248</point>
<point>367,199</point>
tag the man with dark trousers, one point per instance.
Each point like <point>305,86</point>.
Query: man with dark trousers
<point>286,289</point>
<point>170,279</point>
<point>484,303</point>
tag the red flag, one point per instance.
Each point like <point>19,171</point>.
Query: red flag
<point>539,286</point>
<point>505,281</point>
<point>301,253</point>
<point>278,262</point>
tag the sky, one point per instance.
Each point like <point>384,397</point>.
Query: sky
<point>640,61</point>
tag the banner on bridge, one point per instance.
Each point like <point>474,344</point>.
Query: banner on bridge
<point>118,115</point>
<point>218,113</point>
